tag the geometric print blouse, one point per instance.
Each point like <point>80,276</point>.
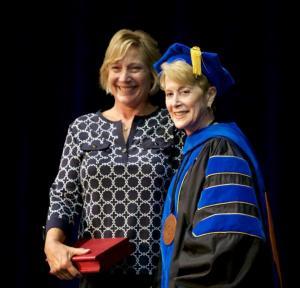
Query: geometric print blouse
<point>109,188</point>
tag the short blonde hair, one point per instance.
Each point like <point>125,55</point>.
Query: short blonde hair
<point>118,47</point>
<point>182,72</point>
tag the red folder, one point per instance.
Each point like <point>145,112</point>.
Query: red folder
<point>104,252</point>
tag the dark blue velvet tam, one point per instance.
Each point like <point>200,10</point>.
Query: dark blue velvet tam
<point>212,68</point>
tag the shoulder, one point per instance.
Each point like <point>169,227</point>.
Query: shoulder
<point>85,119</point>
<point>220,154</point>
<point>222,146</point>
<point>160,114</point>
<point>159,120</point>
<point>83,124</point>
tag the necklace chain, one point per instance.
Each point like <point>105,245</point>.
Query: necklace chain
<point>124,127</point>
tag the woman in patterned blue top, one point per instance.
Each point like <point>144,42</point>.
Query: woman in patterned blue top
<point>114,169</point>
<point>214,224</point>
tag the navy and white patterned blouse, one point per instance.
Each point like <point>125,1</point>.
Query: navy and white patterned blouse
<point>114,188</point>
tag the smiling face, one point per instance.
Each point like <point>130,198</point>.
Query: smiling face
<point>187,105</point>
<point>129,79</point>
<point>188,99</point>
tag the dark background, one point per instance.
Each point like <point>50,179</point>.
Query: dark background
<point>55,51</point>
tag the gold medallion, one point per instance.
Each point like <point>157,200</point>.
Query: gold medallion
<point>169,229</point>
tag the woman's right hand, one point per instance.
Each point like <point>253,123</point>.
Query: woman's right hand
<point>59,255</point>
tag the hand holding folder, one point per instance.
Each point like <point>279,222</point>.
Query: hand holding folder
<point>104,253</point>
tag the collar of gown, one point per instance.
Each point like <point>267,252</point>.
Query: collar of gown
<point>217,129</point>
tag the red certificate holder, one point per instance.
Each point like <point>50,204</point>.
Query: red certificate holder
<point>104,253</point>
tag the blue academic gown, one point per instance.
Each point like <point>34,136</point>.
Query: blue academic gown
<point>218,198</point>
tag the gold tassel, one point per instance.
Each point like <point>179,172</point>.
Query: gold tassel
<point>196,61</point>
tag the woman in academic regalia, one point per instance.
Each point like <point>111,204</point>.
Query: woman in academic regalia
<point>214,226</point>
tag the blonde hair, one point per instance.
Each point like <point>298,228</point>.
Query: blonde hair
<point>182,72</point>
<point>118,47</point>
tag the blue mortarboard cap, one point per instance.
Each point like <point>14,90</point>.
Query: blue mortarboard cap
<point>212,68</point>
